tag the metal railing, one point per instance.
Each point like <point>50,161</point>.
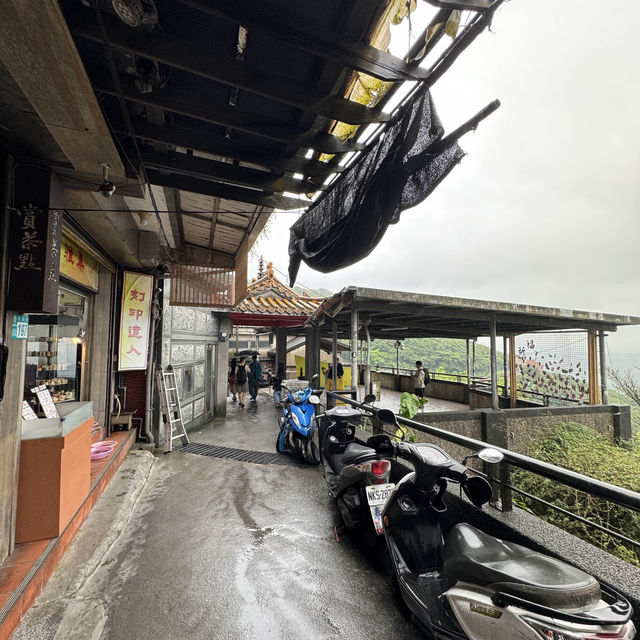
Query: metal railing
<point>597,488</point>
<point>481,383</point>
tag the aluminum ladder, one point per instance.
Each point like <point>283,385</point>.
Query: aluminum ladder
<point>170,407</point>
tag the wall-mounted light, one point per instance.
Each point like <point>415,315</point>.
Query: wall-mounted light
<point>224,336</point>
<point>80,336</point>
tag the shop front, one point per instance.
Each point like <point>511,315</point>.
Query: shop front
<point>66,387</point>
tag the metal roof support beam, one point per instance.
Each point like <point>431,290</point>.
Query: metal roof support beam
<point>181,54</point>
<point>214,170</point>
<point>312,38</point>
<point>198,107</point>
<point>218,190</point>
<point>201,139</point>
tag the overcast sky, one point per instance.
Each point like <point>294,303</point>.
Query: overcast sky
<point>544,208</point>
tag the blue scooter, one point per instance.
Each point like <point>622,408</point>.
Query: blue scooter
<point>297,424</point>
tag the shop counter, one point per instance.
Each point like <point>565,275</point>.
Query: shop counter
<point>55,471</point>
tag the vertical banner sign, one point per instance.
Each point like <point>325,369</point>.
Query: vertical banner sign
<point>34,242</point>
<point>135,317</point>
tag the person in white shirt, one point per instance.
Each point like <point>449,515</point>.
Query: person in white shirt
<point>420,379</point>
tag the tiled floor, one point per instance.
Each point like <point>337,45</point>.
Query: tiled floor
<point>16,597</point>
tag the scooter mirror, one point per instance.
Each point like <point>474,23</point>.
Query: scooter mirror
<point>369,399</point>
<point>478,490</point>
<point>386,416</point>
<point>314,378</point>
<point>491,455</point>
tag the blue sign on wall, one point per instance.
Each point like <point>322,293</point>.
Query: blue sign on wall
<point>20,327</point>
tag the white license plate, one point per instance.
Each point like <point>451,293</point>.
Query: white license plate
<point>377,496</point>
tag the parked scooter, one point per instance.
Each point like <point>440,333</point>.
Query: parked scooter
<point>297,423</point>
<point>357,475</point>
<point>472,586</point>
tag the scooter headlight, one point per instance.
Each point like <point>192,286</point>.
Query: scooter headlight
<point>296,420</point>
<point>554,632</point>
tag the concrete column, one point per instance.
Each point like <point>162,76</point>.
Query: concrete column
<point>468,365</point>
<point>354,347</point>
<point>281,347</point>
<point>367,371</point>
<point>309,351</point>
<point>603,366</point>
<point>495,404</point>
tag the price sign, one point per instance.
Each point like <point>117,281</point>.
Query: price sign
<point>46,401</point>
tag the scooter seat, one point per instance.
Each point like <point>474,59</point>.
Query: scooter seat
<point>355,453</point>
<point>473,556</point>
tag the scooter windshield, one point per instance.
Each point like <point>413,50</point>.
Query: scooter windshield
<point>303,394</point>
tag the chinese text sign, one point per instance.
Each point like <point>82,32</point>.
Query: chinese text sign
<point>135,317</point>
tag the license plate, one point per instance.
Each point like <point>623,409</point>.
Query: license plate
<point>377,496</point>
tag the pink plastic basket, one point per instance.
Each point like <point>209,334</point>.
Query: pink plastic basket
<point>99,453</point>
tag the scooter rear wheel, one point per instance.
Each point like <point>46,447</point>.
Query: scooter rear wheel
<point>312,455</point>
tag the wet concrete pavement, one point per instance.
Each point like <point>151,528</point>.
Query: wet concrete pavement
<point>199,547</point>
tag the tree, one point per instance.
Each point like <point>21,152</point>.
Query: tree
<point>626,383</point>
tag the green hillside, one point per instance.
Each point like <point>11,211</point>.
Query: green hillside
<point>437,354</point>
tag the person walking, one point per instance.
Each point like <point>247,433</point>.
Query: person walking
<point>420,380</point>
<point>255,377</point>
<point>242,381</point>
<point>328,376</point>
<point>276,383</point>
<point>232,381</point>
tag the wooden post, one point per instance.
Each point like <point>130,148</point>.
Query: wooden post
<point>513,382</point>
<point>593,368</point>
<point>495,404</point>
<point>504,367</point>
<point>603,366</point>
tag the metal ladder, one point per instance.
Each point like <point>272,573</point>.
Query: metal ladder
<point>170,407</point>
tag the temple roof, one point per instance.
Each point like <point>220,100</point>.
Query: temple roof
<point>268,297</point>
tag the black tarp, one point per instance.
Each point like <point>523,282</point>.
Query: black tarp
<point>397,172</point>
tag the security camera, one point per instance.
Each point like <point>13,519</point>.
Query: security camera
<point>107,189</point>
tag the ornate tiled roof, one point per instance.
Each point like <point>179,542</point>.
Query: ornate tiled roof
<point>268,296</point>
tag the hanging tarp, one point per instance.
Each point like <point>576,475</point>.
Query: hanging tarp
<point>397,172</point>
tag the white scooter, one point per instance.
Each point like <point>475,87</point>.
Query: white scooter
<point>472,586</point>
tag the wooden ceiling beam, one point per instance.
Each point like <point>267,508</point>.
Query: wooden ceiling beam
<point>312,38</point>
<point>181,54</point>
<point>198,107</point>
<point>217,190</point>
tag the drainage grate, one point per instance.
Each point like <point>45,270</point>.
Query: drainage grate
<point>257,457</point>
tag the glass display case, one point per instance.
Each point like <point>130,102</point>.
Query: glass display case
<point>54,355</point>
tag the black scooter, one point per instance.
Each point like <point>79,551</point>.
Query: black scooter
<point>357,476</point>
<point>472,586</point>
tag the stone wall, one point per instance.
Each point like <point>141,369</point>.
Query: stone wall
<point>191,345</point>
